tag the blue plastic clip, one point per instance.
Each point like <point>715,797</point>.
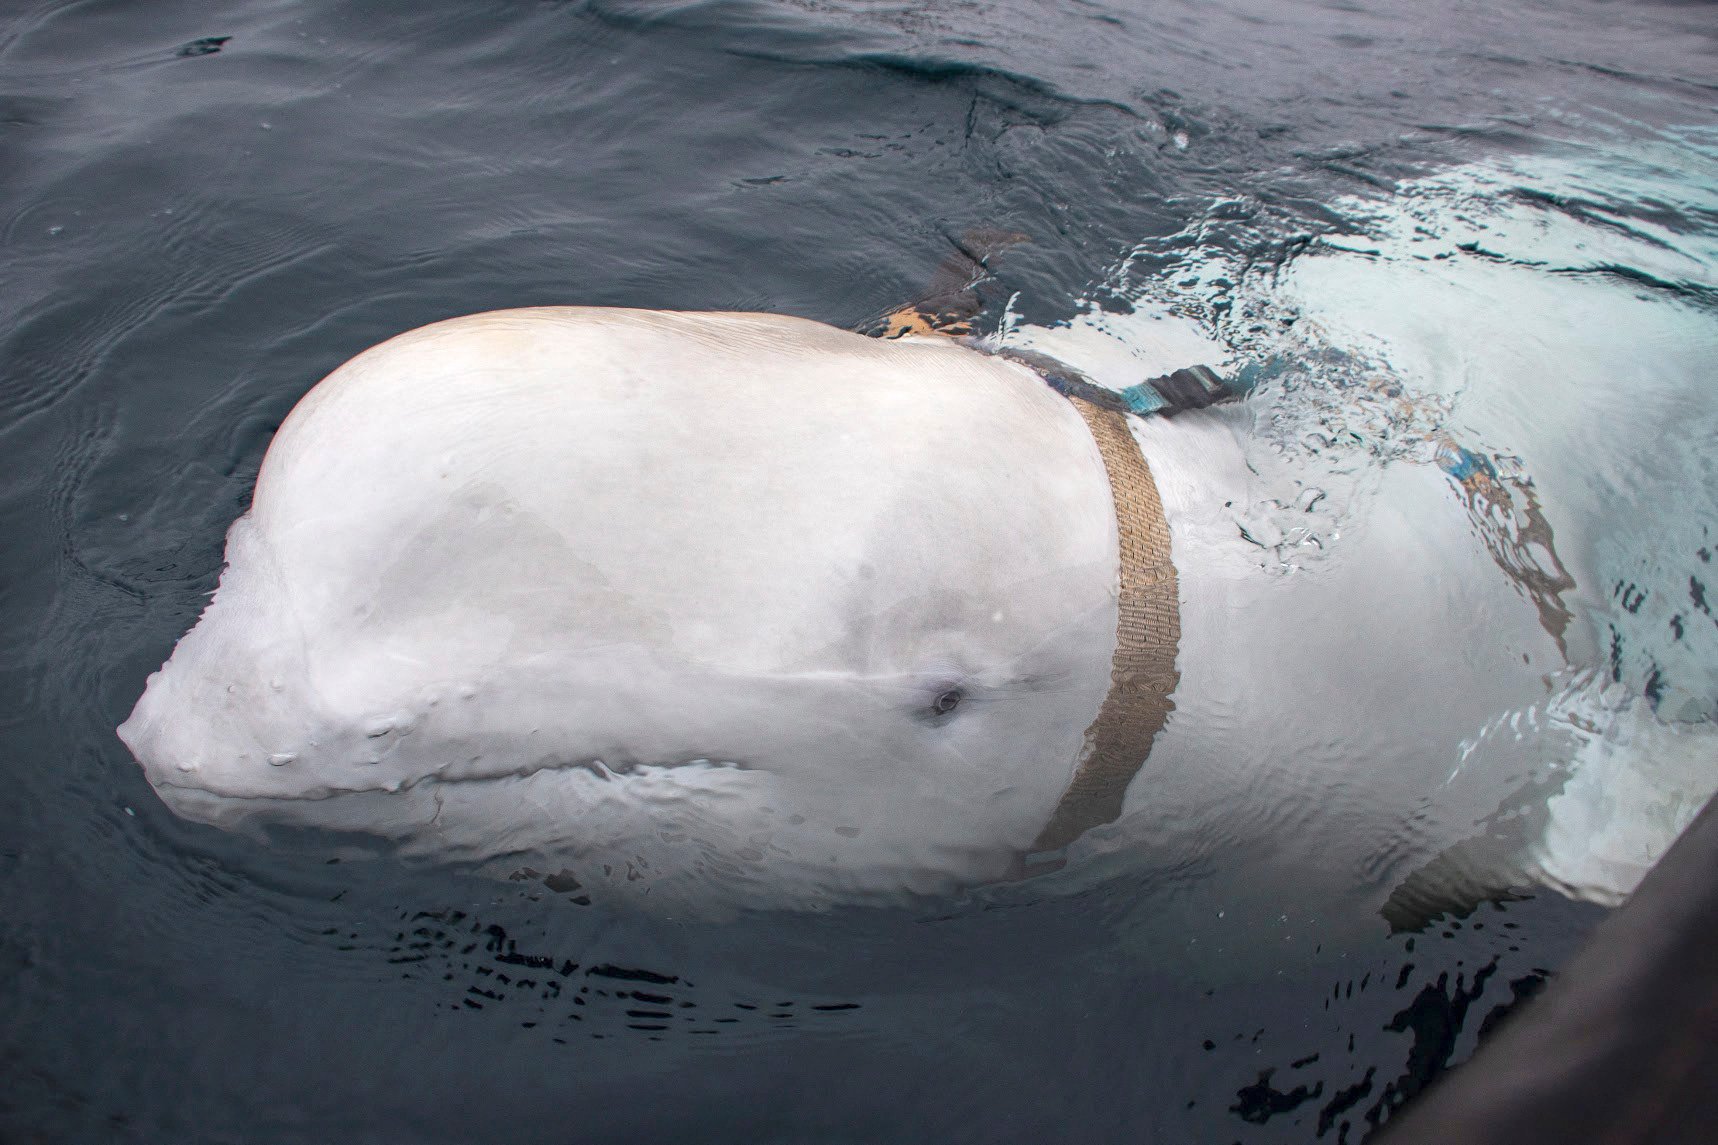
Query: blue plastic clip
<point>1142,399</point>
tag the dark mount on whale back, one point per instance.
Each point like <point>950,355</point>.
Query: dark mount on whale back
<point>952,301</point>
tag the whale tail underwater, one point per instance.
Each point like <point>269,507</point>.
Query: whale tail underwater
<point>709,610</point>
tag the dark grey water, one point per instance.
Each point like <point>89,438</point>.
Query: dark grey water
<point>206,208</point>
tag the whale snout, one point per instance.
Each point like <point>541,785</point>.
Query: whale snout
<point>203,731</point>
<point>207,737</point>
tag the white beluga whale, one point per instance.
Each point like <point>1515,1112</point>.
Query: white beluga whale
<point>739,602</point>
<point>717,609</point>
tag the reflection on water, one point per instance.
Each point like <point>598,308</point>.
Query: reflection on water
<point>1471,245</point>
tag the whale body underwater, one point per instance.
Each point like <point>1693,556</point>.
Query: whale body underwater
<point>740,610</point>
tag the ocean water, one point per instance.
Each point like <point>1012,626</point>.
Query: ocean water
<point>1508,214</point>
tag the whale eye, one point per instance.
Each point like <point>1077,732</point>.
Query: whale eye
<point>947,701</point>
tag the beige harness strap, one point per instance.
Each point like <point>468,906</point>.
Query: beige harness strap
<point>1148,633</point>
<point>1143,676</point>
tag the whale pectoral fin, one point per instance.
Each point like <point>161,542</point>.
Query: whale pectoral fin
<point>1589,831</point>
<point>950,302</point>
<point>1486,868</point>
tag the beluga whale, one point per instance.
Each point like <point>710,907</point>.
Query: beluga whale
<point>731,610</point>
<point>736,601</point>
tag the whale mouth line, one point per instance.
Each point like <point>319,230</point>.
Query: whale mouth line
<point>596,767</point>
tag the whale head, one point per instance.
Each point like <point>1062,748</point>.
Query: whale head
<point>712,607</point>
